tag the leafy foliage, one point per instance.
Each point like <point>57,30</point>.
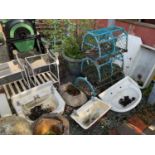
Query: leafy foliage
<point>71,48</point>
<point>67,34</point>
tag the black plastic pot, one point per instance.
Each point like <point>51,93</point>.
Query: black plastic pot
<point>74,65</point>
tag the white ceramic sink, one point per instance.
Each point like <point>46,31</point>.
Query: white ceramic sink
<point>45,95</point>
<point>143,66</point>
<point>90,112</point>
<point>134,44</point>
<point>125,87</point>
<point>139,61</point>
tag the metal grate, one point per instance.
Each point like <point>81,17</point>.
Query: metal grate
<point>19,86</point>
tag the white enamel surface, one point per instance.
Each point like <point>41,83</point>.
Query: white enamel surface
<point>134,44</point>
<point>125,87</point>
<point>144,65</point>
<point>93,107</point>
<point>4,106</point>
<point>45,91</point>
<point>139,60</point>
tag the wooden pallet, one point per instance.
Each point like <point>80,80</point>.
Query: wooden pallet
<point>19,86</point>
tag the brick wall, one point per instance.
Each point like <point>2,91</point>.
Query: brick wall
<point>146,33</point>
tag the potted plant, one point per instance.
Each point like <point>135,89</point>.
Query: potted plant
<point>72,55</point>
<point>66,36</point>
<point>72,43</point>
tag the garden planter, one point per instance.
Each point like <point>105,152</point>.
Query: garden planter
<point>74,65</point>
<point>51,124</point>
<point>73,96</point>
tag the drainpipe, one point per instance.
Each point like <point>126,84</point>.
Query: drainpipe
<point>111,22</point>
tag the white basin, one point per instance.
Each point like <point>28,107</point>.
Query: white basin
<point>125,87</point>
<point>45,95</point>
<point>144,66</point>
<point>139,61</point>
<point>134,44</point>
<point>90,112</point>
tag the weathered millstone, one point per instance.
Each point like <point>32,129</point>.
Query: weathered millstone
<point>51,124</point>
<point>74,97</point>
<point>13,125</point>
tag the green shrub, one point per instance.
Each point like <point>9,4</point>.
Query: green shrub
<point>71,48</point>
<point>67,34</point>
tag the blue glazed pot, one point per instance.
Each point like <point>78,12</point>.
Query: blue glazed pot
<point>74,65</point>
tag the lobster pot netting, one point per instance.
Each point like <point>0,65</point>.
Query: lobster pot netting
<point>105,40</point>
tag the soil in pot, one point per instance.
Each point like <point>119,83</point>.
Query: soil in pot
<point>72,95</point>
<point>71,90</point>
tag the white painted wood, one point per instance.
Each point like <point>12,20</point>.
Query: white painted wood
<point>45,77</point>
<point>6,91</point>
<point>40,77</point>
<point>22,85</point>
<point>4,106</point>
<point>11,88</point>
<point>50,76</point>
<point>17,87</point>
